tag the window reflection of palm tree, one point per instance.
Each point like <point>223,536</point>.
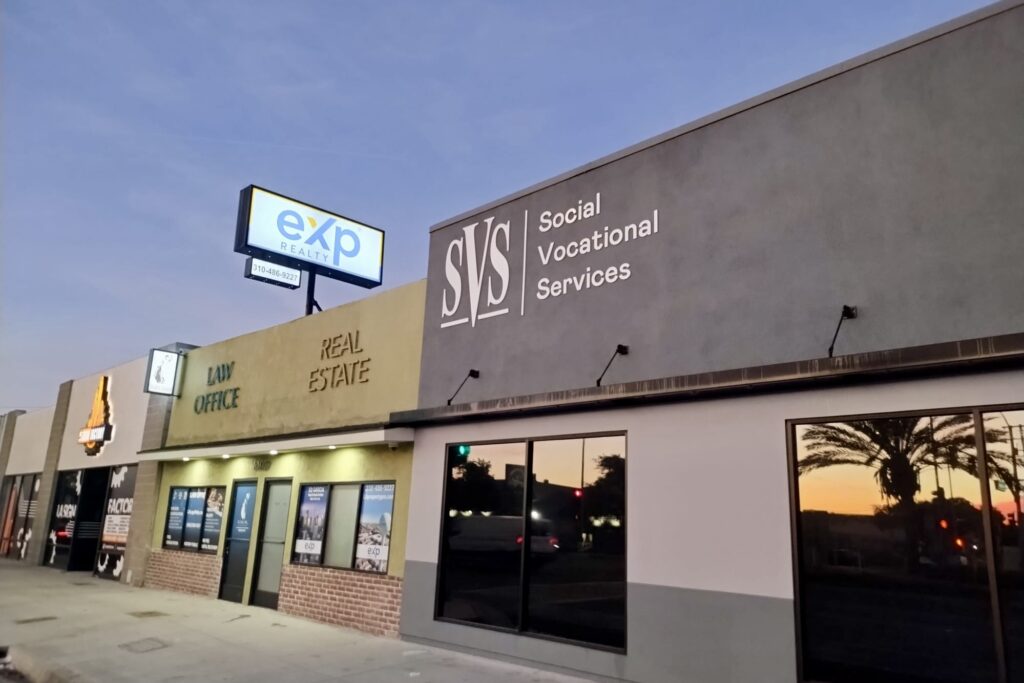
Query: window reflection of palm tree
<point>897,449</point>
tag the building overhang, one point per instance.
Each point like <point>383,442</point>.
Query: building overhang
<point>966,356</point>
<point>284,444</point>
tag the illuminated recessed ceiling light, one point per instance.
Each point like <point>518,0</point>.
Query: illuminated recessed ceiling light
<point>331,447</point>
<point>225,456</point>
<point>185,459</point>
<point>273,452</point>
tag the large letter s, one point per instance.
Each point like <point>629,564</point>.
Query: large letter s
<point>454,277</point>
<point>500,264</point>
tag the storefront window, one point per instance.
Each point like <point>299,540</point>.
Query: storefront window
<point>62,521</point>
<point>8,513</point>
<point>894,564</point>
<point>1004,446</point>
<point>577,570</point>
<point>175,527</point>
<point>483,534</point>
<point>341,525</point>
<point>194,518</point>
<point>310,524</point>
<point>117,520</point>
<point>345,526</point>
<point>213,518</point>
<point>25,514</point>
<point>566,556</point>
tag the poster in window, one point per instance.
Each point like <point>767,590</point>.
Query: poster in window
<point>62,523</point>
<point>7,514</point>
<point>117,517</point>
<point>378,501</point>
<point>193,519</point>
<point>176,518</point>
<point>309,530</point>
<point>26,515</point>
<point>242,511</point>
<point>212,520</point>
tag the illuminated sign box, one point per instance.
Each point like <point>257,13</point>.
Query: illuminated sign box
<point>287,232</point>
<point>272,273</point>
<point>163,372</point>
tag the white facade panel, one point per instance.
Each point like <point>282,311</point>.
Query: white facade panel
<point>707,482</point>
<point>31,436</point>
<point>127,410</point>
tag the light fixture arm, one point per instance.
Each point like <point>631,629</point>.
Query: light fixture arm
<point>620,350</point>
<point>849,313</point>
<point>475,374</point>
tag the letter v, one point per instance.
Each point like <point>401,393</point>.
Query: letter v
<point>476,269</point>
<point>545,257</point>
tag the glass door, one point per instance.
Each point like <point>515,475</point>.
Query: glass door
<point>236,547</point>
<point>270,550</point>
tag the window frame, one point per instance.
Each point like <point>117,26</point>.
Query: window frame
<point>362,484</point>
<point>524,569</point>
<point>977,413</point>
<point>164,545</point>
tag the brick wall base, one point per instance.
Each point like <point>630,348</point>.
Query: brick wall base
<point>185,572</point>
<point>359,600</point>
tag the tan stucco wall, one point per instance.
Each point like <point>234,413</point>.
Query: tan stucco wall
<point>378,463</point>
<point>272,371</point>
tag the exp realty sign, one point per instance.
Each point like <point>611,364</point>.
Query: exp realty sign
<point>290,233</point>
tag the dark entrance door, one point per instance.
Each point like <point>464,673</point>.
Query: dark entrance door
<point>86,537</point>
<point>270,549</point>
<point>63,519</point>
<point>236,547</point>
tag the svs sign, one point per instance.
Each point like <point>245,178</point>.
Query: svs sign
<point>289,233</point>
<point>476,270</point>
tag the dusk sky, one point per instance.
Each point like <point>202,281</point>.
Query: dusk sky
<point>128,129</point>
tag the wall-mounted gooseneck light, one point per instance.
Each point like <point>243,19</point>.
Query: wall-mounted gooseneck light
<point>475,374</point>
<point>620,350</point>
<point>849,313</point>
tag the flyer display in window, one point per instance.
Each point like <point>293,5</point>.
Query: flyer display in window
<point>117,519</point>
<point>212,520</point>
<point>193,519</point>
<point>176,518</point>
<point>309,530</point>
<point>372,544</point>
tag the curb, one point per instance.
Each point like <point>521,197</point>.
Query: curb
<point>37,669</point>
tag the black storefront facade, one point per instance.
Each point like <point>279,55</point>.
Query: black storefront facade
<point>653,468</point>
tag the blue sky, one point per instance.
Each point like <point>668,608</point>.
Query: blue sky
<point>129,128</point>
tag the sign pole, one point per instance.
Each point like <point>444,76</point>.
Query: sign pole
<point>310,286</point>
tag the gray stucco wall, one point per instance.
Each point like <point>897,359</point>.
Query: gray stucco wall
<point>893,186</point>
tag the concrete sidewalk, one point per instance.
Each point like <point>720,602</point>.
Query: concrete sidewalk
<point>72,627</point>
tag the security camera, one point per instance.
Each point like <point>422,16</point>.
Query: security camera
<point>392,445</point>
